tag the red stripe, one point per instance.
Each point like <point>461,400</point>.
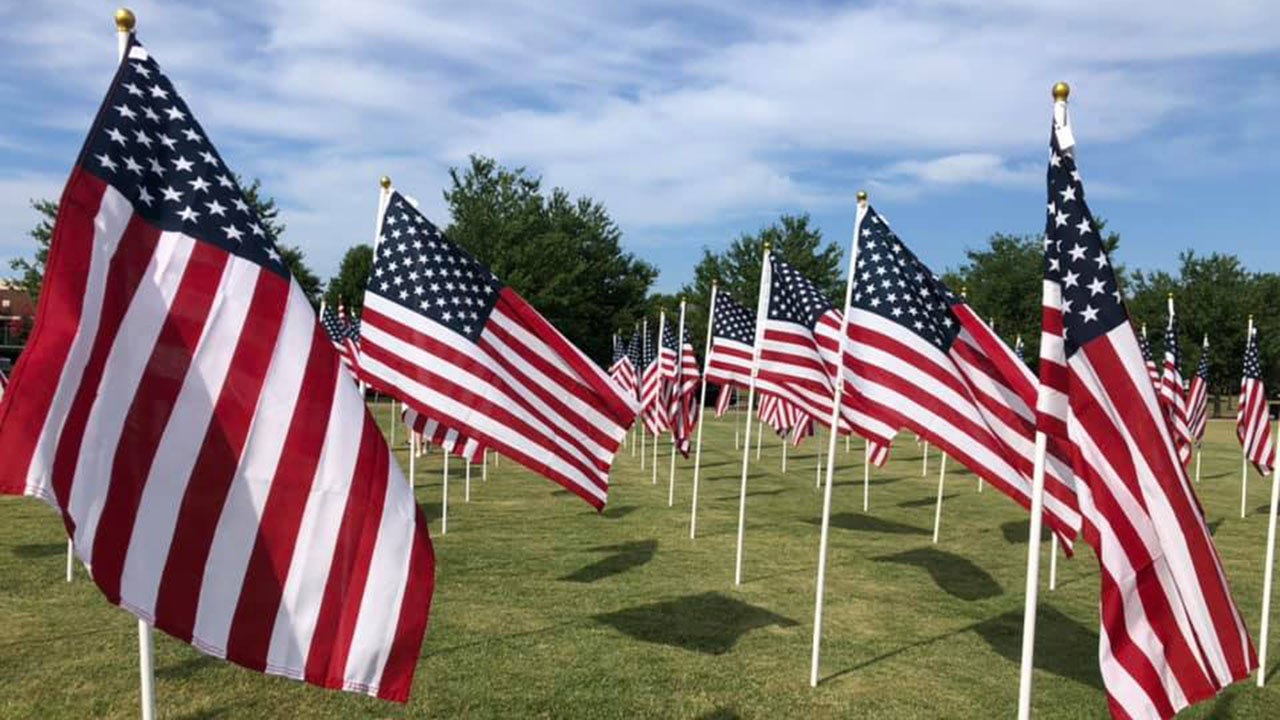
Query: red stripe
<point>402,660</point>
<point>150,410</point>
<point>268,568</point>
<point>57,322</point>
<point>344,589</point>
<point>179,592</point>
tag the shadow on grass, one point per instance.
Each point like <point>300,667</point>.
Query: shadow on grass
<point>874,481</point>
<point>1064,647</point>
<point>925,502</point>
<point>41,550</point>
<point>721,713</point>
<point>1017,531</point>
<point>207,714</point>
<point>957,576</point>
<point>187,668</point>
<point>870,523</point>
<point>1214,525</point>
<point>710,623</point>
<point>624,557</point>
<point>751,493</point>
<point>431,510</point>
<point>619,512</point>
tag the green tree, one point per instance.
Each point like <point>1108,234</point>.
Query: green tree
<point>737,268</point>
<point>347,287</point>
<point>31,271</point>
<point>562,254</point>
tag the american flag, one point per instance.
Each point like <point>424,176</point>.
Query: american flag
<point>724,399</point>
<point>919,358</point>
<point>337,330</point>
<point>1198,397</point>
<point>352,337</point>
<point>621,369</point>
<point>1171,634</point>
<point>1172,395</point>
<point>1253,423</point>
<point>652,386</point>
<point>800,350</point>
<point>182,408</point>
<point>1153,370</point>
<point>449,440</point>
<point>778,413</point>
<point>635,355</point>
<point>733,333</point>
<point>443,334</point>
<point>683,403</point>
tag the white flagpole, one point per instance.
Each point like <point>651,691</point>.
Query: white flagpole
<point>816,655</point>
<point>71,552</point>
<point>937,513</point>
<point>702,412</point>
<point>484,466</point>
<point>785,442</point>
<point>1266,575</point>
<point>466,494</point>
<point>413,455</point>
<point>846,442</point>
<point>662,326</point>
<point>125,22</point>
<point>737,422</point>
<point>393,424</point>
<point>1199,452</point>
<point>679,381</point>
<point>1053,561</point>
<point>1244,456</point>
<point>759,437</point>
<point>762,307</point>
<point>924,469</point>
<point>644,343</point>
<point>817,473</point>
<point>1060,122</point>
<point>866,474</point>
<point>444,501</point>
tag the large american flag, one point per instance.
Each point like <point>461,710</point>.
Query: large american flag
<point>1198,397</point>
<point>447,439</point>
<point>919,358</point>
<point>443,334</point>
<point>799,354</point>
<point>1253,422</point>
<point>181,407</point>
<point>1171,634</point>
<point>652,385</point>
<point>621,369</point>
<point>1172,395</point>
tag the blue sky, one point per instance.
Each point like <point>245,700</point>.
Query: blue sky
<point>695,120</point>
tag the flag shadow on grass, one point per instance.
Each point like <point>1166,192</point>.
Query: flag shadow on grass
<point>925,502</point>
<point>710,623</point>
<point>41,550</point>
<point>617,512</point>
<point>957,576</point>
<point>1064,647</point>
<point>624,557</point>
<point>1016,532</point>
<point>870,523</point>
<point>751,493</point>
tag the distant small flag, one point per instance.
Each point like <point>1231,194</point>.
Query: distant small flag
<point>1172,394</point>
<point>652,389</point>
<point>621,369</point>
<point>1153,370</point>
<point>724,399</point>
<point>451,441</point>
<point>336,330</point>
<point>683,405</point>
<point>733,333</point>
<point>1198,397</point>
<point>1253,422</point>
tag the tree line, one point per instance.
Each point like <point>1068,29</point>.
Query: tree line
<point>564,254</point>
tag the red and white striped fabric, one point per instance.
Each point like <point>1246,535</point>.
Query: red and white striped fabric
<point>451,441</point>
<point>182,408</point>
<point>733,331</point>
<point>1172,396</point>
<point>1253,422</point>
<point>802,429</point>
<point>1198,397</point>
<point>684,407</point>
<point>724,399</point>
<point>621,369</point>
<point>1153,370</point>
<point>1171,634</point>
<point>778,413</point>
<point>652,387</point>
<point>443,334</point>
<point>800,350</point>
<point>4,383</point>
<point>350,340</point>
<point>919,358</point>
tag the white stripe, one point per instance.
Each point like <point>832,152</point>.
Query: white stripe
<point>184,434</point>
<point>121,376</point>
<point>237,529</point>
<point>108,227</point>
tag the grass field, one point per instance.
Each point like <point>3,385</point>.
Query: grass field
<point>545,609</point>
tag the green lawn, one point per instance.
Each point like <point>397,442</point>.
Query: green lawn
<point>545,609</point>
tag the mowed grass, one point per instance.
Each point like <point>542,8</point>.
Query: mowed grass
<point>544,608</point>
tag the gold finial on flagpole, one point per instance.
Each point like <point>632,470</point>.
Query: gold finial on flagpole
<point>767,247</point>
<point>1170,296</point>
<point>1061,91</point>
<point>964,291</point>
<point>862,196</point>
<point>125,20</point>
<point>385,182</point>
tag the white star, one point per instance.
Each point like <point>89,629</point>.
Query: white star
<point>144,197</point>
<point>133,89</point>
<point>188,214</point>
<point>156,167</point>
<point>142,70</point>
<point>115,135</point>
<point>1090,313</point>
<point>159,92</point>
<point>182,164</point>
<point>256,229</point>
<point>106,161</point>
<point>224,181</point>
<point>233,233</point>
<point>174,113</point>
<point>200,184</point>
<point>142,138</point>
<point>1066,306</point>
<point>132,166</point>
<point>1055,160</point>
<point>1071,279</point>
<point>126,112</point>
<point>271,253</point>
<point>1096,287</point>
<point>168,142</point>
<point>1084,227</point>
<point>1076,252</point>
<point>240,205</point>
<point>1069,194</point>
<point>1059,220</point>
<point>216,208</point>
<point>171,194</point>
<point>208,157</point>
<point>151,114</point>
<point>192,135</point>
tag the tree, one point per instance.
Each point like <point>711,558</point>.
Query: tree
<point>32,271</point>
<point>347,287</point>
<point>562,254</point>
<point>737,268</point>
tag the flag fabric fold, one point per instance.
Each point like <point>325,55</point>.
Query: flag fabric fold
<point>1253,422</point>
<point>181,407</point>
<point>447,439</point>
<point>1172,395</point>
<point>1171,634</point>
<point>654,408</point>
<point>1198,398</point>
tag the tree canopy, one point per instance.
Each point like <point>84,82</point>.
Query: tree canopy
<point>347,287</point>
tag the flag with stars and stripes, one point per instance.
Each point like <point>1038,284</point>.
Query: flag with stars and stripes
<point>1148,360</point>
<point>447,337</point>
<point>182,408</point>
<point>635,355</point>
<point>1171,634</point>
<point>1198,397</point>
<point>725,399</point>
<point>683,406</point>
<point>337,330</point>
<point>799,354</point>
<point>1172,394</point>
<point>351,339</point>
<point>919,358</point>
<point>733,337</point>
<point>653,403</point>
<point>621,369</point>
<point>777,413</point>
<point>1253,422</point>
<point>447,439</point>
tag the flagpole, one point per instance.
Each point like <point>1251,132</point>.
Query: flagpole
<point>671,479</point>
<point>820,593</point>
<point>702,412</point>
<point>125,23</point>
<point>1244,455</point>
<point>866,474</point>
<point>924,470</point>
<point>644,345</point>
<point>484,465</point>
<point>662,326</point>
<point>444,502</point>
<point>1267,573</point>
<point>817,473</point>
<point>413,455</point>
<point>937,513</point>
<point>759,437</point>
<point>71,553</point>
<point>762,307</point>
<point>1053,561</point>
<point>1060,93</point>
<point>786,440</point>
